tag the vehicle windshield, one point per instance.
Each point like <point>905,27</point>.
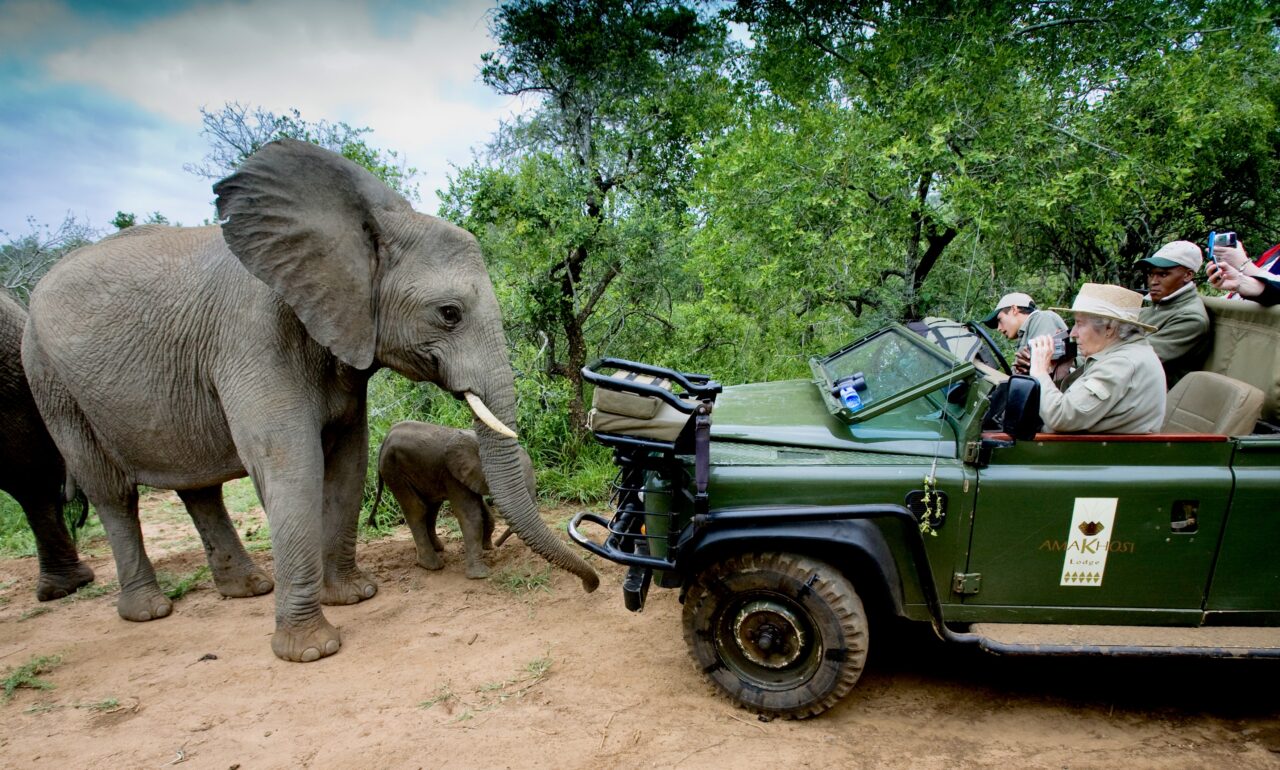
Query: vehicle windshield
<point>895,364</point>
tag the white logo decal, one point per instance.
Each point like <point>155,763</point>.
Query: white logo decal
<point>1087,541</point>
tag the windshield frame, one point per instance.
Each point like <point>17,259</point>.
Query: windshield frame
<point>956,371</point>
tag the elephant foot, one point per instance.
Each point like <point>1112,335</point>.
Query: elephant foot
<point>305,643</point>
<point>143,604</point>
<point>429,559</point>
<point>56,585</point>
<point>348,589</point>
<point>243,582</point>
<point>477,571</point>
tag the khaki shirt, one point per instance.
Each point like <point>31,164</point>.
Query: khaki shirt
<point>1182,338</point>
<point>1118,390</point>
<point>1039,324</point>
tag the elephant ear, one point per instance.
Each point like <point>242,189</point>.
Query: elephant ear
<point>305,221</point>
<point>462,455</point>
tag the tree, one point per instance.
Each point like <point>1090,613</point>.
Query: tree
<point>125,219</point>
<point>580,203</point>
<point>237,131</point>
<point>1010,140</point>
<point>25,259</point>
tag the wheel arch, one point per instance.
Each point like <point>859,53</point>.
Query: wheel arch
<point>855,547</point>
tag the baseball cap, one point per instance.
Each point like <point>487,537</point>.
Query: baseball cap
<point>1176,253</point>
<point>1012,299</point>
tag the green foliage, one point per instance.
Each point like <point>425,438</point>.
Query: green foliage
<point>28,675</point>
<point>889,148</point>
<point>579,211</point>
<point>240,496</point>
<point>16,538</point>
<point>125,219</point>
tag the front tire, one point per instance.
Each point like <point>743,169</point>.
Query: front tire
<point>780,634</point>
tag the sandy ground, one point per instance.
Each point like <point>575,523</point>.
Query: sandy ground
<point>437,671</point>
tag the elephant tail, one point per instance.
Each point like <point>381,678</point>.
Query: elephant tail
<point>377,498</point>
<point>75,504</point>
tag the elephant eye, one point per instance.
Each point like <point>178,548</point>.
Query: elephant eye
<point>451,314</point>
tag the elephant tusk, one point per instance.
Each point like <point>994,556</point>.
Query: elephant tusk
<point>483,414</point>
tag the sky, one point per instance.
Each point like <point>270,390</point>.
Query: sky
<point>100,100</point>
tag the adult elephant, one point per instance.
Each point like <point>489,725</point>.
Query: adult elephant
<point>185,357</point>
<point>31,470</point>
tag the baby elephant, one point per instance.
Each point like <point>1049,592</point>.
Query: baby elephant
<point>426,464</point>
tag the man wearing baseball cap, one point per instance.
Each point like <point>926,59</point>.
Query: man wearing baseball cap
<point>1017,318</point>
<point>1182,338</point>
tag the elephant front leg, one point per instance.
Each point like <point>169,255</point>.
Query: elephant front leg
<point>234,573</point>
<point>344,472</point>
<point>470,513</point>
<point>287,467</point>
<point>302,633</point>
<point>420,515</point>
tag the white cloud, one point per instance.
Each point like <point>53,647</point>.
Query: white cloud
<point>415,87</point>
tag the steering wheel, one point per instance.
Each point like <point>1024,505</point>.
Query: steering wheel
<point>976,328</point>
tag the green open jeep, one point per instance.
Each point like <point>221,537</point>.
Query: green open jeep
<point>785,512</point>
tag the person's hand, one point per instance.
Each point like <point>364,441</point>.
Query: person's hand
<point>1228,278</point>
<point>1041,353</point>
<point>1234,256</point>
<point>1022,361</point>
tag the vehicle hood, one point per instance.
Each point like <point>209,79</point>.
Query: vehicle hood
<point>784,412</point>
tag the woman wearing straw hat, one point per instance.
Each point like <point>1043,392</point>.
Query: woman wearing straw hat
<point>1121,386</point>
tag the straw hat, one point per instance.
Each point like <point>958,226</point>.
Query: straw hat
<point>1107,301</point>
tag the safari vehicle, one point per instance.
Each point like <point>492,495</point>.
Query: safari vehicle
<point>786,512</point>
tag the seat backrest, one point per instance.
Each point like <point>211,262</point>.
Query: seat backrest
<point>1205,402</point>
<point>1246,347</point>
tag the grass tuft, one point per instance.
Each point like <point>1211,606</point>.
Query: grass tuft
<point>492,694</point>
<point>523,579</point>
<point>28,675</point>
<point>176,587</point>
<point>444,694</point>
<point>90,591</point>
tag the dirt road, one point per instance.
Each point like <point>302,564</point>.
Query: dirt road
<point>438,671</point>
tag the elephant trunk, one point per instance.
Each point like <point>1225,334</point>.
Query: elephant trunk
<point>500,458</point>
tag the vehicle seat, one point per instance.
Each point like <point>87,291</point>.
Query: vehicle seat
<point>632,414</point>
<point>1205,402</point>
<point>1246,347</point>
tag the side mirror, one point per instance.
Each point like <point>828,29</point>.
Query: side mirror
<point>1022,410</point>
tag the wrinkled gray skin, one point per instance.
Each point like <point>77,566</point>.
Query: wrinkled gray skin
<point>424,465</point>
<point>182,358</point>
<point>31,470</point>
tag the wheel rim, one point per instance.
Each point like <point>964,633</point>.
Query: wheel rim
<point>769,640</point>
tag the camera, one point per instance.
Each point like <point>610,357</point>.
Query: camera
<point>1220,239</point>
<point>1063,346</point>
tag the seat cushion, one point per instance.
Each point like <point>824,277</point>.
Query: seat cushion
<point>1206,402</point>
